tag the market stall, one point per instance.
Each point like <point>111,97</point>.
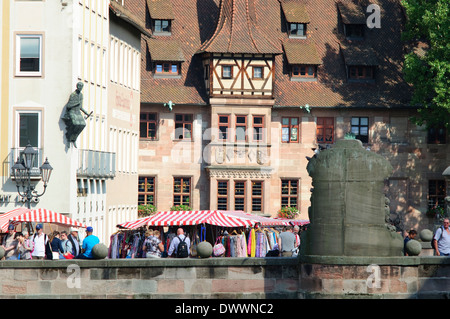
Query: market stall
<point>127,241</point>
<point>241,234</point>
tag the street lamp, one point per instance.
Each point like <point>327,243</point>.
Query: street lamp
<point>21,171</point>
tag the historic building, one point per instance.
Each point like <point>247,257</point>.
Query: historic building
<point>47,48</point>
<point>237,94</point>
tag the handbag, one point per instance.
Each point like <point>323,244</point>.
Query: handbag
<point>218,249</point>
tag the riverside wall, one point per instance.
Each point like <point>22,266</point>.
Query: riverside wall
<point>316,277</point>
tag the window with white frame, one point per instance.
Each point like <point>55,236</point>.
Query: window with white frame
<point>28,128</point>
<point>29,55</point>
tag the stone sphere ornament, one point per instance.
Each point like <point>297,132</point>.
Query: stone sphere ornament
<point>204,249</point>
<point>2,252</point>
<point>413,247</point>
<point>426,235</point>
<point>99,251</point>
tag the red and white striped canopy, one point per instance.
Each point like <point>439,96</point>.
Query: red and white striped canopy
<point>4,218</point>
<point>42,215</point>
<point>188,218</point>
<point>135,223</point>
<point>220,218</point>
<point>263,221</point>
<point>295,222</point>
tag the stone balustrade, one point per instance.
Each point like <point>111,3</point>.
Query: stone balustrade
<point>308,277</point>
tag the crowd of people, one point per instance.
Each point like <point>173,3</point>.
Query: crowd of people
<point>287,245</point>
<point>67,245</point>
<point>57,245</point>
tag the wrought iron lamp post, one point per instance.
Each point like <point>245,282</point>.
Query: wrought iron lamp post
<point>21,171</point>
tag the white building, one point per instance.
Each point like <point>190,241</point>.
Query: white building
<point>47,47</point>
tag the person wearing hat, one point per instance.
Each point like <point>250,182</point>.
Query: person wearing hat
<point>88,243</point>
<point>74,240</point>
<point>39,239</point>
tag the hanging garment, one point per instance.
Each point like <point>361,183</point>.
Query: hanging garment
<point>249,244</point>
<point>228,246</point>
<point>244,245</point>
<point>258,244</point>
<point>253,240</point>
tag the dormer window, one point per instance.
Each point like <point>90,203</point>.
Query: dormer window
<point>354,31</point>
<point>304,71</point>
<point>167,68</point>
<point>303,60</point>
<point>162,26</point>
<point>297,29</point>
<point>361,72</point>
<point>161,15</point>
<point>166,57</point>
<point>353,20</point>
<point>297,18</point>
<point>361,62</point>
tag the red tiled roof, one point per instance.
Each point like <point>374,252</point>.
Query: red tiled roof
<point>195,22</point>
<point>238,31</point>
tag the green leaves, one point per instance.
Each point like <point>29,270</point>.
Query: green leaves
<point>428,70</point>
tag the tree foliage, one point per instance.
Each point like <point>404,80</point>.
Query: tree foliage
<point>429,71</point>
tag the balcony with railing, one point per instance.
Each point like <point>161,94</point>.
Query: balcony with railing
<point>96,164</point>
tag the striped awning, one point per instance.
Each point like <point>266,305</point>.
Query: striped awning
<point>4,218</point>
<point>263,221</point>
<point>188,218</point>
<point>221,218</point>
<point>42,215</point>
<point>295,222</point>
<point>135,223</point>
<point>179,218</point>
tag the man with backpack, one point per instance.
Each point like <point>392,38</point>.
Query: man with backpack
<point>180,245</point>
<point>40,241</point>
<point>441,240</point>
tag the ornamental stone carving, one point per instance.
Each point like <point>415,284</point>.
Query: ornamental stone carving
<point>240,173</point>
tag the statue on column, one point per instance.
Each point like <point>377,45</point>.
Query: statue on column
<point>75,121</point>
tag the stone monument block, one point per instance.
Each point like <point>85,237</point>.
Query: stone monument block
<point>347,210</point>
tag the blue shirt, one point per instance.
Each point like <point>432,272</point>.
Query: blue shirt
<point>88,243</point>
